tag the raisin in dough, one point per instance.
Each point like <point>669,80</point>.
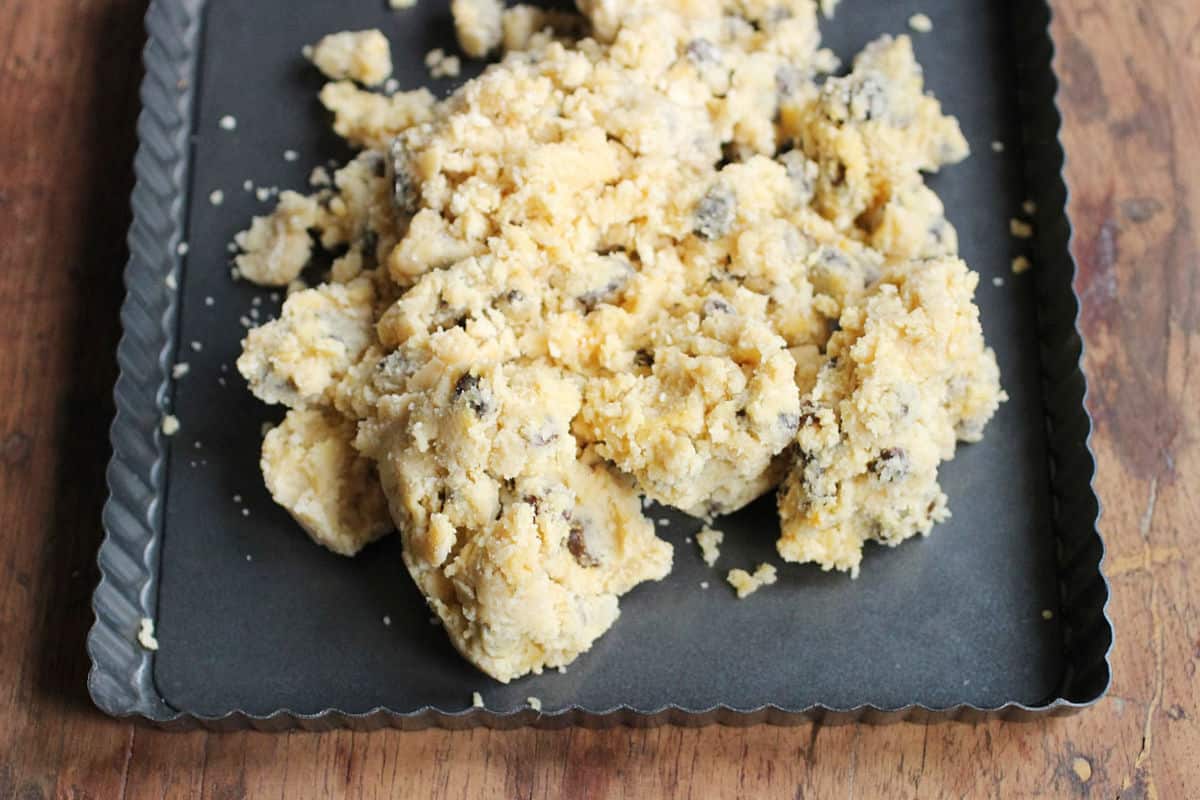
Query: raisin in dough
<point>908,377</point>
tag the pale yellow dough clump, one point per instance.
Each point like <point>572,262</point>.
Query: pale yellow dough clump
<point>363,56</point>
<point>312,470</point>
<point>908,377</point>
<point>650,252</point>
<point>478,25</point>
<point>747,583</point>
<point>276,247</point>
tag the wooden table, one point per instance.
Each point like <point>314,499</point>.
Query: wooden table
<point>69,71</point>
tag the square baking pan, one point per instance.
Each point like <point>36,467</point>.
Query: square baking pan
<point>1000,612</point>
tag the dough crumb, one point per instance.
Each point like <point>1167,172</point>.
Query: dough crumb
<point>997,281</point>
<point>1020,229</point>
<point>145,635</point>
<point>182,248</point>
<point>1029,207</point>
<point>170,425</point>
<point>478,25</point>
<point>1082,769</point>
<point>228,123</point>
<point>921,23</point>
<point>402,3</point>
<point>1021,264</point>
<point>216,197</point>
<point>319,177</point>
<point>562,669</point>
<point>534,703</point>
<point>1047,614</point>
<point>291,155</point>
<point>476,697</point>
<point>277,247</point>
<point>441,65</point>
<point>710,544</point>
<point>703,584</point>
<point>362,56</point>
<point>747,584</point>
<point>180,369</point>
<point>170,281</point>
<point>997,146</point>
<point>387,621</point>
<point>828,7</point>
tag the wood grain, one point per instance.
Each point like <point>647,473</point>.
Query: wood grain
<point>1131,94</point>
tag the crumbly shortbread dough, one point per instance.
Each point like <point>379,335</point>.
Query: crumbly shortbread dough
<point>478,26</point>
<point>871,133</point>
<point>908,377</point>
<point>276,247</point>
<point>363,56</point>
<point>520,546</point>
<point>321,334</point>
<point>649,252</point>
<point>369,119</point>
<point>521,23</point>
<point>312,470</point>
